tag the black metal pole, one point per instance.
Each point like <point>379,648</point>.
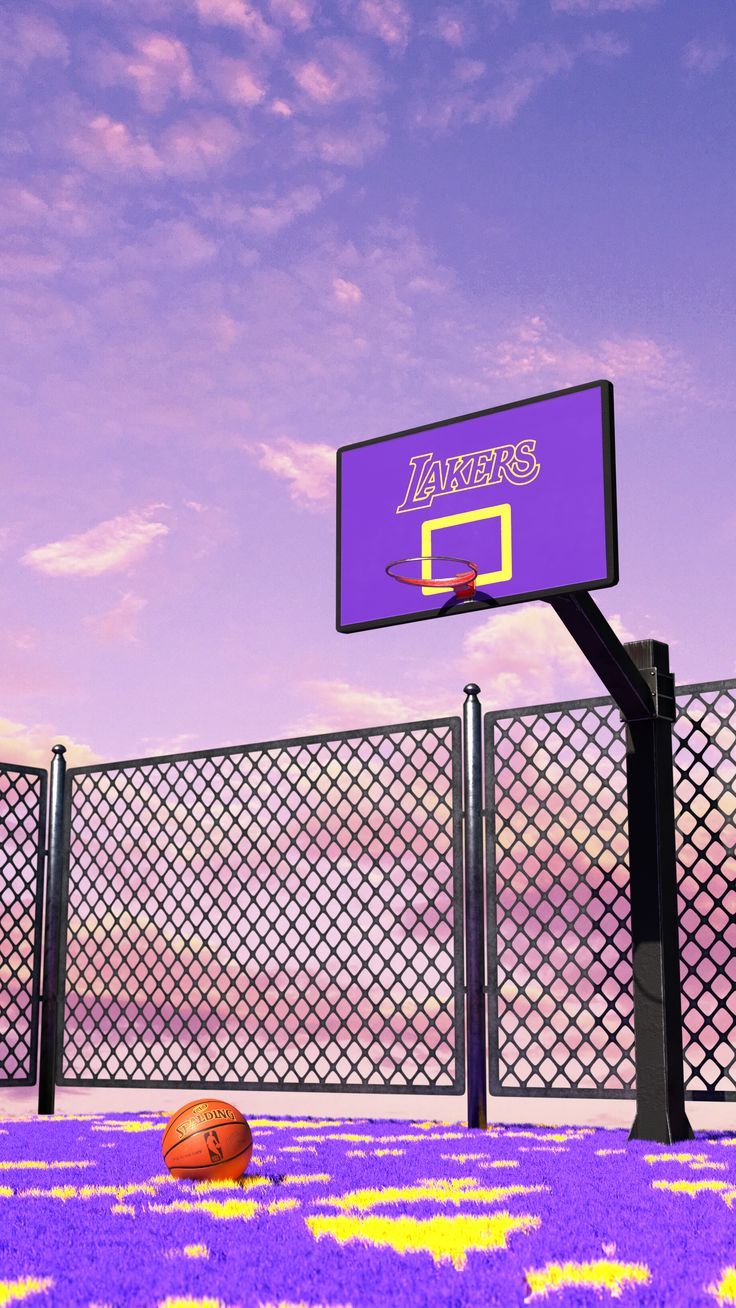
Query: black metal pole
<point>52,934</point>
<point>475,989</point>
<point>638,678</point>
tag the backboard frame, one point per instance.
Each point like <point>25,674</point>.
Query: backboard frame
<point>610,509</point>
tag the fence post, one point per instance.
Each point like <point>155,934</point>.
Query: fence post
<point>52,936</point>
<point>475,990</point>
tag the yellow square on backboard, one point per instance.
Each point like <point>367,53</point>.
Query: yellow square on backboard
<point>430,546</point>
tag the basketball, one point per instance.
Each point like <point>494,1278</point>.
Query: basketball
<point>207,1140</point>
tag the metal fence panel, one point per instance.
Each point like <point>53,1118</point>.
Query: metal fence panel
<point>275,916</point>
<point>560,984</point>
<point>23,797</point>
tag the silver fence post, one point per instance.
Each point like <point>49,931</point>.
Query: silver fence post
<point>475,996</point>
<point>52,936</point>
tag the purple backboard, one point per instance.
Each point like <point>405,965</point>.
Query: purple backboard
<point>525,491</point>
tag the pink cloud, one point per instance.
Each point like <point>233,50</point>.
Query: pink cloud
<point>526,656</point>
<point>101,143</point>
<point>158,69</point>
<point>271,218</point>
<point>167,245</point>
<point>341,706</point>
<point>347,145</point>
<point>296,13</point>
<point>116,544</point>
<point>118,626</point>
<point>705,56</point>
<point>308,470</point>
<point>337,72</point>
<point>193,146</point>
<point>602,6</point>
<point>27,36</point>
<point>389,20</point>
<point>451,26</point>
<point>239,14</point>
<point>236,80</point>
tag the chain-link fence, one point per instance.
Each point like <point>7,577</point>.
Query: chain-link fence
<point>23,792</point>
<point>278,916</point>
<point>560,1000</point>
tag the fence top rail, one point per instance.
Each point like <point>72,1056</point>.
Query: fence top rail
<point>226,751</point>
<point>562,706</point>
<point>23,767</point>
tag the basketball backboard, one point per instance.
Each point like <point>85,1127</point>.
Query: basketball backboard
<point>525,491</point>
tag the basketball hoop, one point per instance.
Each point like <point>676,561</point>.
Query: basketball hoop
<point>463,583</point>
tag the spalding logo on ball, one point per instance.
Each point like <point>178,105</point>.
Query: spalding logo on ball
<point>207,1140</point>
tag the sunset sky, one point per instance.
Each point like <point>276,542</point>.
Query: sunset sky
<point>239,235</point>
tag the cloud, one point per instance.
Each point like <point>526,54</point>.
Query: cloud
<point>236,80</point>
<point>602,6</point>
<point>452,27</point>
<point>346,293</point>
<point>119,543</point>
<point>296,13</point>
<point>31,746</point>
<point>175,245</point>
<point>281,213</point>
<point>239,14</point>
<point>308,470</point>
<point>337,72</point>
<point>705,56</point>
<point>104,144</point>
<point>526,656</point>
<point>158,69</point>
<point>195,146</point>
<point>347,144</point>
<point>389,20</point>
<point>536,350</point>
<point>26,37</point>
<point>118,626</point>
<point>342,706</point>
<point>523,74</point>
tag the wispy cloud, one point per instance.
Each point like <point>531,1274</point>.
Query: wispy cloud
<point>308,470</point>
<point>272,217</point>
<point>602,6</point>
<point>114,545</point>
<point>343,144</point>
<point>499,98</point>
<point>705,55</point>
<point>389,20</point>
<point>241,15</point>
<point>534,349</point>
<point>337,72</point>
<point>296,13</point>
<point>236,80</point>
<point>119,625</point>
<point>26,36</point>
<point>340,706</point>
<point>158,69</point>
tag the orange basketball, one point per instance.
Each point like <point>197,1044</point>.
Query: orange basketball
<point>207,1140</point>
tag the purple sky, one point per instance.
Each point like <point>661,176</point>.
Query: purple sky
<point>239,235</point>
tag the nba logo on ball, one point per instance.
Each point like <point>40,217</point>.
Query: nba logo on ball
<point>207,1140</point>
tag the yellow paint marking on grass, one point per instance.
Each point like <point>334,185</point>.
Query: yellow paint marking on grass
<point>191,1303</point>
<point>222,1210</point>
<point>599,1275</point>
<point>693,1188</point>
<point>725,1291</point>
<point>442,1191</point>
<point>678,1158</point>
<point>282,1205</point>
<point>446,1239</point>
<point>386,1139</point>
<point>17,1291</point>
<point>87,1191</point>
<point>41,1166</point>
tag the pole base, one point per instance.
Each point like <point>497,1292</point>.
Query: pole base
<point>662,1129</point>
